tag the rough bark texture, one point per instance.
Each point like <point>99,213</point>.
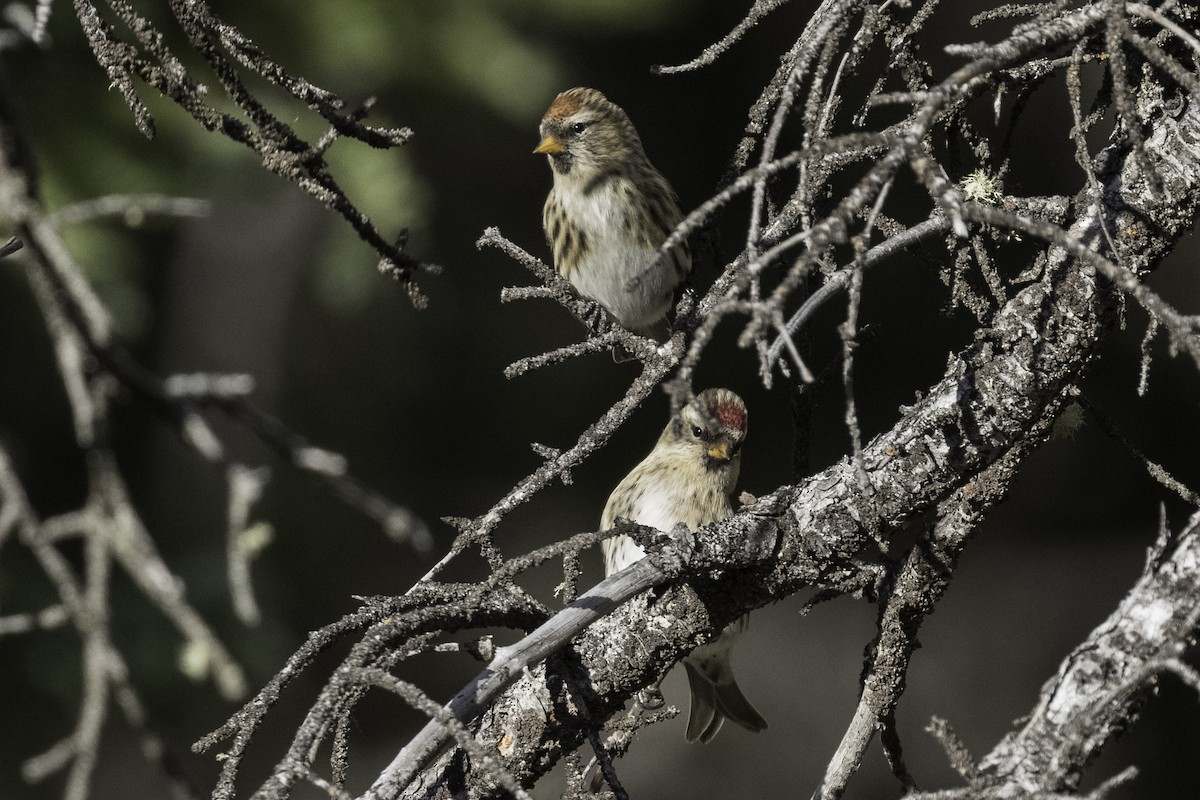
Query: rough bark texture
<point>1100,685</point>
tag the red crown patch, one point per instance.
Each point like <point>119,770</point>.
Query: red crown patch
<point>731,415</point>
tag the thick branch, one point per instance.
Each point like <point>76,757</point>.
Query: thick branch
<point>1100,685</point>
<point>923,577</point>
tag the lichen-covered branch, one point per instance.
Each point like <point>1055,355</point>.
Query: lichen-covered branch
<point>1100,686</point>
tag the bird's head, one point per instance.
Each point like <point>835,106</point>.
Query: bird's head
<point>584,135</point>
<point>711,429</point>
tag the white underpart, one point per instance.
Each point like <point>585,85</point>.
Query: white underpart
<point>614,259</point>
<point>654,510</point>
<point>660,507</point>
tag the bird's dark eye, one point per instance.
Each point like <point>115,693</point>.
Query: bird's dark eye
<point>736,447</point>
<point>578,128</point>
<point>697,431</point>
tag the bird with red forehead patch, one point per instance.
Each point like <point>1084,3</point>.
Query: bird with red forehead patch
<point>609,211</point>
<point>689,478</point>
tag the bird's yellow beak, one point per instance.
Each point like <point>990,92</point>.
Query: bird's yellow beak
<point>719,452</point>
<point>550,145</point>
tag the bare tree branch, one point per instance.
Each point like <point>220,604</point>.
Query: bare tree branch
<point>224,48</point>
<point>1099,687</point>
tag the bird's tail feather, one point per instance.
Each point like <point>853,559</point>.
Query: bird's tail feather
<point>714,703</point>
<point>704,719</point>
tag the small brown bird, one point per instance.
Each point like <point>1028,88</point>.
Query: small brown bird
<point>609,211</point>
<point>689,477</point>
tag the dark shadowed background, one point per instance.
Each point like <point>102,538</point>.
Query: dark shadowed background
<point>273,285</point>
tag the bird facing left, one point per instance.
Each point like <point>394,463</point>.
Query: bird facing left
<point>609,211</point>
